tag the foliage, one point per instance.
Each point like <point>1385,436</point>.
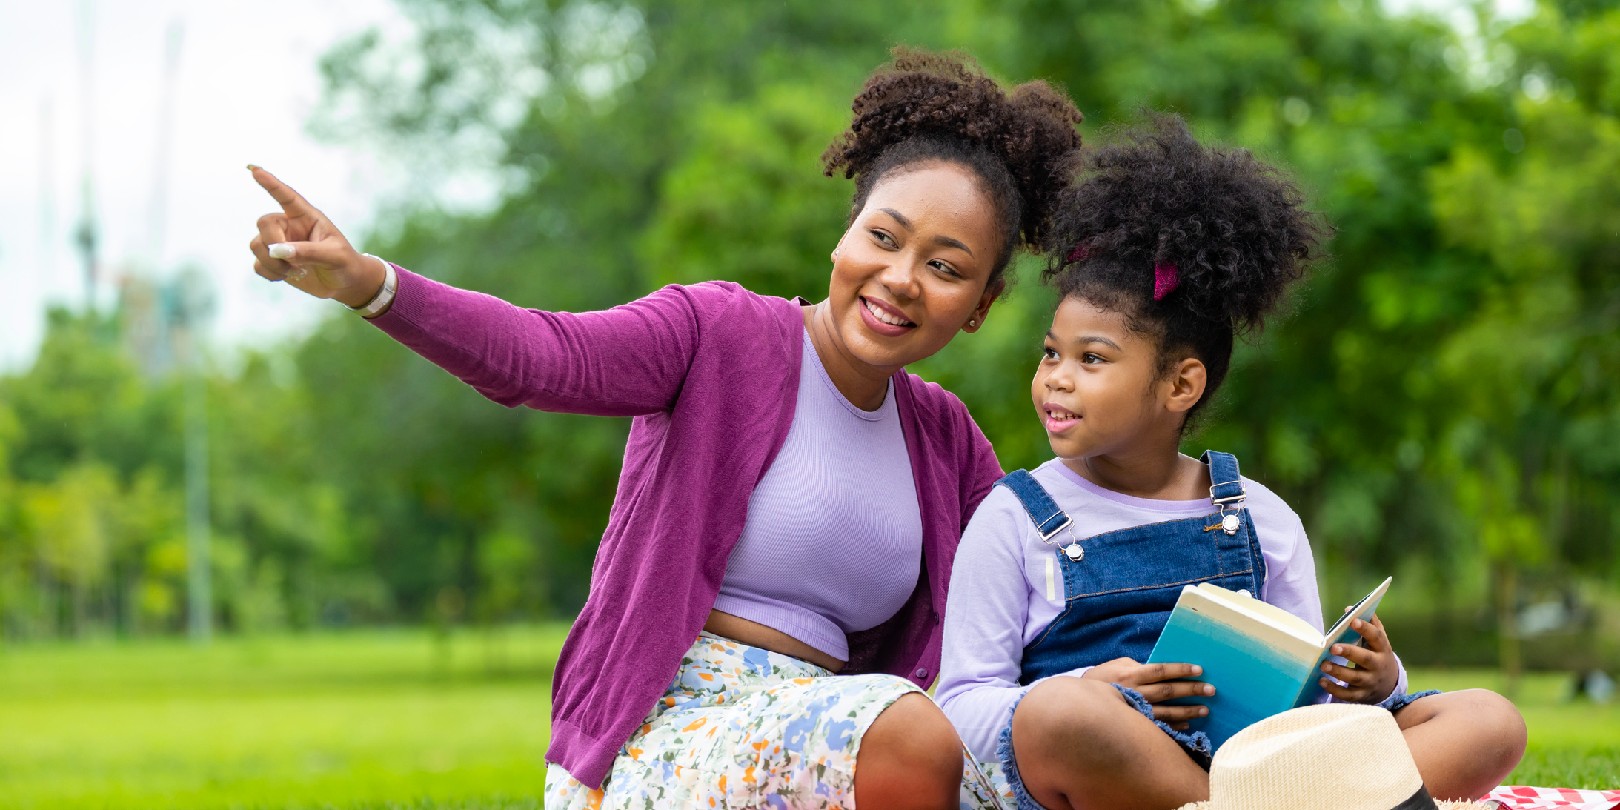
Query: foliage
<point>1442,400</point>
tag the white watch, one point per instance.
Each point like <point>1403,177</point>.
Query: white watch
<point>384,296</point>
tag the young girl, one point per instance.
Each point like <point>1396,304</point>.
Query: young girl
<point>1162,252</point>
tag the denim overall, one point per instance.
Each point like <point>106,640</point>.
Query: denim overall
<point>1119,587</point>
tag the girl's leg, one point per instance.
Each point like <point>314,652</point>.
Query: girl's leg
<point>910,757</point>
<point>1079,744</point>
<point>1464,742</point>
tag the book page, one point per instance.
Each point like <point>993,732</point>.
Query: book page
<point>1267,624</point>
<point>1264,613</point>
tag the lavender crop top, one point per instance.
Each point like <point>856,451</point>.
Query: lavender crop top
<point>833,539</point>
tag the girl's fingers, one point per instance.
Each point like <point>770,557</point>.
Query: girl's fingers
<point>1372,633</point>
<point>1342,693</point>
<point>1179,715</point>
<point>1160,692</point>
<point>1355,654</point>
<point>1158,673</point>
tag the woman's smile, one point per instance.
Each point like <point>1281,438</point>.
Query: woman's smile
<point>885,319</point>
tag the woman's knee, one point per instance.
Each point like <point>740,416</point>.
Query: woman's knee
<point>911,750</point>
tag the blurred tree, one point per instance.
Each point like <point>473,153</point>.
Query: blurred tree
<point>1529,449</point>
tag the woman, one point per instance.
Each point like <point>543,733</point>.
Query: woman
<point>791,499</point>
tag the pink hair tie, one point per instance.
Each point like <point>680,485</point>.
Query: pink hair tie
<point>1165,280</point>
<point>1080,253</point>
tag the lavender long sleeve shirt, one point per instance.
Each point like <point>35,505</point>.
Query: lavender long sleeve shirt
<point>1003,594</point>
<point>709,374</point>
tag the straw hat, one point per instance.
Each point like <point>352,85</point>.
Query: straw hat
<point>1330,755</point>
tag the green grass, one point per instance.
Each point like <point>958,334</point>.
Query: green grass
<point>1571,744</point>
<point>394,720</point>
<point>353,720</point>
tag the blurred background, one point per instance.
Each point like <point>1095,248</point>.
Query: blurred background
<point>252,552</point>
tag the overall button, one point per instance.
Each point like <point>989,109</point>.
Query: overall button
<point>922,673</point>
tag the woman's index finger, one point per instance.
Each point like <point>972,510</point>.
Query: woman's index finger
<point>290,201</point>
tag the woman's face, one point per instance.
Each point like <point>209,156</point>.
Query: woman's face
<point>910,273</point>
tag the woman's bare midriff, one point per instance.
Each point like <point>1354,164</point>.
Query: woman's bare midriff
<point>755,634</point>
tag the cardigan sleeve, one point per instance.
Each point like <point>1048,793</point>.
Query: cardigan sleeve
<point>626,361</point>
<point>982,467</point>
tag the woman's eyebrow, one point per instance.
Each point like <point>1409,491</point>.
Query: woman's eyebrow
<point>943,241</point>
<point>952,242</point>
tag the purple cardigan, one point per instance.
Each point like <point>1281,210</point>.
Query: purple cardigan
<point>709,372</point>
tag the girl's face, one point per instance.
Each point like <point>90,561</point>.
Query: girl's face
<point>910,273</point>
<point>1098,390</point>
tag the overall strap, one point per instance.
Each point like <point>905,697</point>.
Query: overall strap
<point>1048,518</point>
<point>1226,486</point>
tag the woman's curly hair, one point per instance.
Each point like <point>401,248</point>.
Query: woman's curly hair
<point>1235,229</point>
<point>924,107</point>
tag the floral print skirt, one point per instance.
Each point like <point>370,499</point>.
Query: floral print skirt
<point>742,727</point>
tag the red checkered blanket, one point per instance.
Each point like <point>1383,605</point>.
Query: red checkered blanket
<point>1541,798</point>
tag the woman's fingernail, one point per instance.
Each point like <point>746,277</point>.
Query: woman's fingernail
<point>252,166</point>
<point>281,250</point>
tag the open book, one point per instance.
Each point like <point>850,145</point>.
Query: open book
<point>1260,658</point>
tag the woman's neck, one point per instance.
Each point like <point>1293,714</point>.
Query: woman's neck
<point>861,384</point>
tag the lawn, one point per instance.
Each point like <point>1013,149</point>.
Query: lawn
<point>400,719</point>
<point>352,720</point>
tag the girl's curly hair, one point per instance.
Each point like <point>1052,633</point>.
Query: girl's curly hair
<point>1235,229</point>
<point>924,107</point>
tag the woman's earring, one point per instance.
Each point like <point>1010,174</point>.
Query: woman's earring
<point>973,323</point>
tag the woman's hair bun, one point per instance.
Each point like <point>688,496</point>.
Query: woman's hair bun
<point>947,98</point>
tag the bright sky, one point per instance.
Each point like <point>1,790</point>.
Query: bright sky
<point>246,83</point>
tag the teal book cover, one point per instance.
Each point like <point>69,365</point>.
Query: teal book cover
<point>1261,659</point>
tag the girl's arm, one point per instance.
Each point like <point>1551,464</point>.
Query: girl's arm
<point>985,616</point>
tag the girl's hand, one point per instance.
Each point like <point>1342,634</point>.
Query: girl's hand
<point>1372,673</point>
<point>1158,683</point>
<point>300,246</point>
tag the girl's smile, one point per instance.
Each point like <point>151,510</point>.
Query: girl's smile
<point>1057,418</point>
